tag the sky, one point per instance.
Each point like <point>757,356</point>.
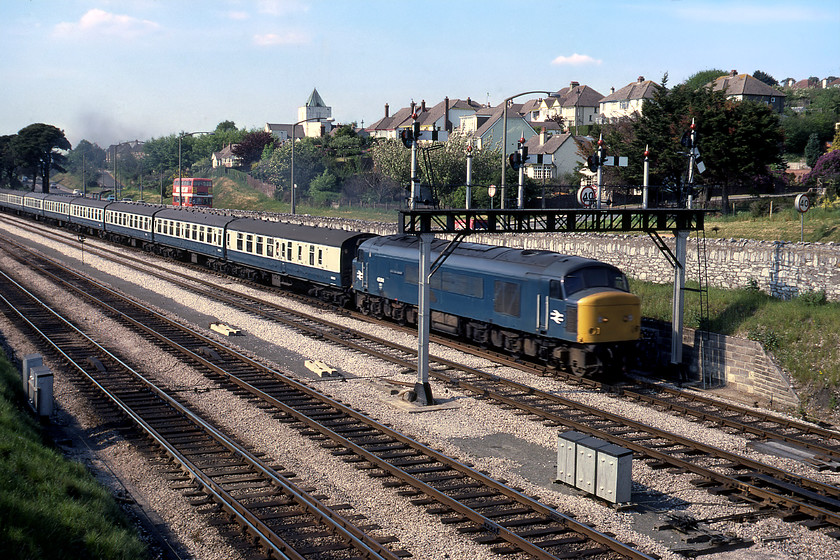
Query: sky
<point>110,71</point>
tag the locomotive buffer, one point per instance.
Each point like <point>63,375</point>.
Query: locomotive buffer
<point>427,223</point>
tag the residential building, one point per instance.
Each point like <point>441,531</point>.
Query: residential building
<point>551,156</point>
<point>627,101</point>
<point>225,158</point>
<point>436,123</point>
<point>283,132</point>
<point>743,87</point>
<point>485,126</point>
<point>577,105</point>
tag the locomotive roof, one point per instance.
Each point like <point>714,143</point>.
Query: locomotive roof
<point>493,257</point>
<point>295,232</point>
<point>194,217</point>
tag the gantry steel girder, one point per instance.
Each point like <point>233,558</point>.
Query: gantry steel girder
<point>458,221</point>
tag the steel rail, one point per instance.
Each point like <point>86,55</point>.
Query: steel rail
<point>481,520</point>
<point>364,544</point>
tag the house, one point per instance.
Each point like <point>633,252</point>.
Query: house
<point>134,148</point>
<point>485,126</point>
<point>551,156</point>
<point>577,105</point>
<point>743,87</point>
<point>627,101</point>
<point>436,123</point>
<point>283,132</point>
<point>225,158</point>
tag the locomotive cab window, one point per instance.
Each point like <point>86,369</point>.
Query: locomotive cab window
<point>594,277</point>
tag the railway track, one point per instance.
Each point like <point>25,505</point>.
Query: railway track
<point>789,495</point>
<point>279,518</point>
<point>488,510</point>
<point>821,442</point>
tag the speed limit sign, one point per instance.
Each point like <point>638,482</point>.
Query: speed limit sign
<point>586,196</point>
<point>802,203</point>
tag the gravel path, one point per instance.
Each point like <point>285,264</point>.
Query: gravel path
<point>469,429</point>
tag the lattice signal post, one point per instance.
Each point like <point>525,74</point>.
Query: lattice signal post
<point>427,223</point>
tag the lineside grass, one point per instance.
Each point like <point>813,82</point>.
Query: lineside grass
<point>803,334</point>
<point>51,507</point>
<point>819,225</point>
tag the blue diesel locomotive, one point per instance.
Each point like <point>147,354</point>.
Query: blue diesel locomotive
<point>574,313</point>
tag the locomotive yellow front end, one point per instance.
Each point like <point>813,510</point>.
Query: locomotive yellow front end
<point>609,316</point>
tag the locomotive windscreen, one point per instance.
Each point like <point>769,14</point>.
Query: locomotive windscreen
<point>594,277</point>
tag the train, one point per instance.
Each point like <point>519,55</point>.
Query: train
<point>572,313</point>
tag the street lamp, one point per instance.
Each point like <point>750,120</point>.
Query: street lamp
<point>183,134</point>
<point>294,126</point>
<point>504,138</point>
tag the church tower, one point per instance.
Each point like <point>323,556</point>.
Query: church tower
<point>315,108</point>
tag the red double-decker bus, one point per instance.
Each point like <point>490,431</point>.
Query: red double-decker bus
<point>192,191</point>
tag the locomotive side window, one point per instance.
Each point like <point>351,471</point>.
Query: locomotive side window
<point>555,289</point>
<point>506,298</point>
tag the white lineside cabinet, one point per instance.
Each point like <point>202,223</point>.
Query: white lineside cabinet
<point>614,476</point>
<point>595,466</point>
<point>567,456</point>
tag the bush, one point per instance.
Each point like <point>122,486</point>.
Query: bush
<point>813,298</point>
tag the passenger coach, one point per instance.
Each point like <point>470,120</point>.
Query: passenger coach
<point>292,253</point>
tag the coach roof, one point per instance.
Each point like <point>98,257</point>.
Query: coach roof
<point>294,232</point>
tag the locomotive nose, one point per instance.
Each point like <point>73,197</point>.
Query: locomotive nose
<point>609,317</point>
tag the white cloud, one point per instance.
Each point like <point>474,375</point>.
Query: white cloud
<point>99,23</point>
<point>273,39</point>
<point>575,60</point>
<point>281,7</point>
<point>238,16</point>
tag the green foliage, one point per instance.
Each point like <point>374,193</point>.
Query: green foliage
<point>812,150</point>
<point>813,298</point>
<point>324,189</point>
<point>817,112</point>
<point>35,148</point>
<point>51,508</point>
<point>701,79</point>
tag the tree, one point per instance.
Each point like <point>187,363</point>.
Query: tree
<point>324,189</point>
<point>35,147</point>
<point>812,150</point>
<point>826,172</point>
<point>738,141</point>
<point>766,78</point>
<point>703,78</point>
<point>252,145</point>
<point>8,162</point>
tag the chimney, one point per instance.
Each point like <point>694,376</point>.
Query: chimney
<point>413,105</point>
<point>733,73</point>
<point>641,79</point>
<point>386,110</point>
<point>469,102</point>
<point>422,105</point>
<point>574,85</point>
<point>612,90</point>
<point>542,136</point>
<point>447,126</point>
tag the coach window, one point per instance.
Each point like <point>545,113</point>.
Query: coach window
<point>269,247</point>
<point>259,245</point>
<point>300,253</point>
<point>201,233</point>
<point>289,252</point>
<point>320,257</point>
<point>239,241</point>
<point>249,243</point>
